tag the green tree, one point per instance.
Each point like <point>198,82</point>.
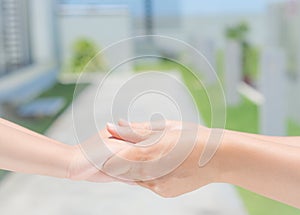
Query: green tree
<point>249,53</point>
<point>85,53</point>
<point>238,32</point>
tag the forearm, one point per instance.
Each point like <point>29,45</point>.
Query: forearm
<point>288,140</point>
<point>264,167</point>
<point>20,128</point>
<point>25,151</point>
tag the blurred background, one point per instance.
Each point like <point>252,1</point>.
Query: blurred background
<point>253,46</point>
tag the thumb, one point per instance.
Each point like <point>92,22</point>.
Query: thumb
<point>129,134</point>
<point>153,125</point>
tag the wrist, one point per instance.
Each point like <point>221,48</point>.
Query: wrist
<point>220,158</point>
<point>211,154</point>
<point>235,146</point>
<point>79,165</point>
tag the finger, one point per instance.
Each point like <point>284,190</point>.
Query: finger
<point>136,162</point>
<point>154,125</point>
<point>103,178</point>
<point>123,122</point>
<point>123,165</point>
<point>127,133</point>
<point>148,184</point>
<point>100,147</point>
<point>140,125</point>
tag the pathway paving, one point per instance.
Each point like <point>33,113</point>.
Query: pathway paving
<point>39,195</point>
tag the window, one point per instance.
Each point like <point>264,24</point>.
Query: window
<point>14,35</point>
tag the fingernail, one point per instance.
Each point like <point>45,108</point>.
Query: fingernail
<point>124,122</point>
<point>111,126</point>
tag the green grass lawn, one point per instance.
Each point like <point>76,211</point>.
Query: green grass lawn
<point>244,117</point>
<point>40,125</point>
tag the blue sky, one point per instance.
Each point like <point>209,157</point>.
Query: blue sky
<point>165,7</point>
<point>225,6</point>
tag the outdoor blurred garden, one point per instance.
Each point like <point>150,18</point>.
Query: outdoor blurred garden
<point>236,45</point>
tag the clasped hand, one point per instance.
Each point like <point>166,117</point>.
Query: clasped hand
<point>161,156</point>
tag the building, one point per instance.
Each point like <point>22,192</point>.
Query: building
<point>14,35</point>
<point>29,49</point>
<point>99,24</point>
<point>284,32</point>
<point>148,16</point>
<point>155,14</point>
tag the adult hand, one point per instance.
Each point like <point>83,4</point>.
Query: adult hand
<point>155,166</point>
<point>84,167</point>
<point>22,150</point>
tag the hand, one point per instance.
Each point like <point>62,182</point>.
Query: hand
<point>83,168</point>
<point>45,156</point>
<point>156,166</point>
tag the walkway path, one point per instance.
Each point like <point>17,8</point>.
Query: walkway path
<point>35,195</point>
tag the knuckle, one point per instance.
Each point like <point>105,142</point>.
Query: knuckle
<point>161,191</point>
<point>140,154</point>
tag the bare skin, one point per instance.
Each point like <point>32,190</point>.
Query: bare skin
<point>262,164</point>
<point>266,165</point>
<point>25,151</point>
